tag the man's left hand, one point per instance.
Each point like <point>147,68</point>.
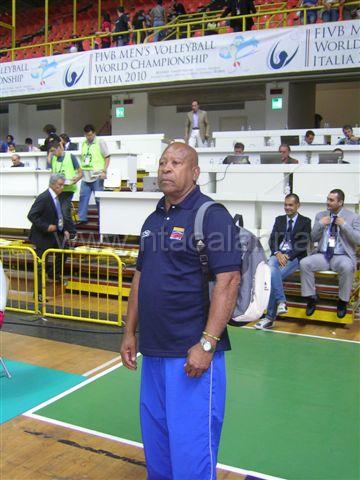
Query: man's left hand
<point>103,176</point>
<point>197,361</point>
<point>66,235</point>
<point>339,221</point>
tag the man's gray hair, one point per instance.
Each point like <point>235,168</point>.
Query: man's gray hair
<point>54,177</point>
<point>15,155</point>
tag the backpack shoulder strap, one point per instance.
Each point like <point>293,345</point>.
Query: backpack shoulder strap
<point>199,220</point>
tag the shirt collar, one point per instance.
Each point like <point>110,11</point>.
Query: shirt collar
<point>293,219</point>
<point>52,193</point>
<point>186,204</point>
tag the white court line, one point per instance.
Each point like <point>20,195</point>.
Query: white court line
<point>307,335</point>
<point>114,438</point>
<point>100,367</point>
<point>73,389</point>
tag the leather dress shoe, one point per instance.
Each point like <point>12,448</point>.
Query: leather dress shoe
<point>310,306</point>
<point>341,309</point>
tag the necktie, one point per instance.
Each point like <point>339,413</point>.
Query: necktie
<point>289,230</point>
<point>332,234</point>
<point>59,214</point>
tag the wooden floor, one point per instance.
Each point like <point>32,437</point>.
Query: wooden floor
<point>35,450</point>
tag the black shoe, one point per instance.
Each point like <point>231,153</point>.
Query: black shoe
<point>311,306</point>
<point>73,237</point>
<point>341,308</point>
<point>41,300</point>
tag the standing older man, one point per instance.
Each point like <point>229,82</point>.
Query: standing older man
<point>49,228</point>
<point>197,127</point>
<point>183,371</point>
<point>338,232</point>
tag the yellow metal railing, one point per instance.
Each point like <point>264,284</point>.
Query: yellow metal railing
<point>184,28</point>
<point>84,284</point>
<point>21,267</point>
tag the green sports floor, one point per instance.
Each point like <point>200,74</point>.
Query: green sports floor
<point>292,406</point>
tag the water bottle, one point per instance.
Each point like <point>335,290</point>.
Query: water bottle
<point>249,127</point>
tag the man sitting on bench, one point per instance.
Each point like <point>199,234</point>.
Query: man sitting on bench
<point>288,242</point>
<point>337,232</point>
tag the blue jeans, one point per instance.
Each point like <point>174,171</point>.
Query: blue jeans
<point>85,193</point>
<point>278,274</point>
<point>159,34</point>
<point>331,15</point>
<point>311,16</point>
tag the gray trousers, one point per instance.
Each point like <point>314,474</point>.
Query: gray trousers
<point>341,264</point>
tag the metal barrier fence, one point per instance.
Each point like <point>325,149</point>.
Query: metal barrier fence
<point>82,284</point>
<point>21,266</point>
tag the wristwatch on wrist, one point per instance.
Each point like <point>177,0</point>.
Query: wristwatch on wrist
<point>206,345</point>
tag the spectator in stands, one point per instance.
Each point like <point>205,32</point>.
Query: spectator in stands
<point>121,25</point>
<point>236,157</point>
<point>67,164</point>
<point>30,146</point>
<point>158,19</point>
<point>350,138</point>
<point>177,8</point>
<point>76,45</point>
<point>309,138</point>
<point>351,11</point>
<point>284,151</point>
<point>197,127</point>
<point>10,141</point>
<point>138,23</point>
<point>16,161</point>
<point>311,15</point>
<point>337,232</point>
<point>95,159</point>
<point>50,131</point>
<point>67,143</point>
<point>289,240</point>
<point>11,148</point>
<point>49,227</point>
<point>239,7</point>
<point>105,28</point>
<point>331,13</point>
<point>3,147</point>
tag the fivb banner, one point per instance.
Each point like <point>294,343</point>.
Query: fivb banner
<point>327,46</point>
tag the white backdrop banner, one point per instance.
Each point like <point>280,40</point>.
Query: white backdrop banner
<point>319,47</point>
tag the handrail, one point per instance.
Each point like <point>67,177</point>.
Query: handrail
<point>49,46</point>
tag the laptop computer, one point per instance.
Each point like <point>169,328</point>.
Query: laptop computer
<point>237,159</point>
<point>331,157</point>
<point>291,140</point>
<point>270,158</point>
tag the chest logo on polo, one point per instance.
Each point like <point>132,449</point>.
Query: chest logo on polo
<point>146,233</point>
<point>177,233</point>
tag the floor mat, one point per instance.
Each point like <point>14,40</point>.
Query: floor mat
<point>29,386</point>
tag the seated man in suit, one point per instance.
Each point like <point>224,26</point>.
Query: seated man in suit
<point>337,232</point>
<point>288,242</point>
<point>49,228</point>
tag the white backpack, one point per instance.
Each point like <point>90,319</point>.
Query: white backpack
<point>255,283</point>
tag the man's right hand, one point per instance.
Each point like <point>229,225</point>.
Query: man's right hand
<point>282,258</point>
<point>128,351</point>
<point>325,220</point>
<point>52,228</point>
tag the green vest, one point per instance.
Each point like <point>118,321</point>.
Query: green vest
<point>66,168</point>
<point>93,153</point>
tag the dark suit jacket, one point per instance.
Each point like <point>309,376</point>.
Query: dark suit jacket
<point>246,7</point>
<point>300,236</point>
<point>41,215</point>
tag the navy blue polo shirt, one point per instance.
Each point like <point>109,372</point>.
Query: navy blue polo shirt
<point>171,305</point>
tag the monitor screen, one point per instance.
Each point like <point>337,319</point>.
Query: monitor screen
<point>290,139</point>
<point>331,157</point>
<point>237,159</point>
